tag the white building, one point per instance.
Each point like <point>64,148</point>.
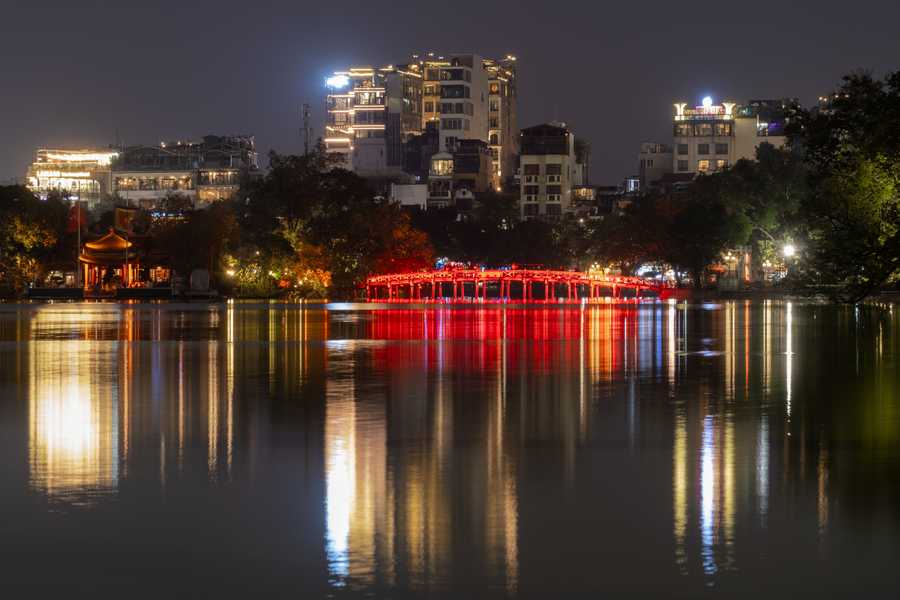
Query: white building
<point>464,101</point>
<point>711,137</point>
<point>410,195</point>
<point>371,113</point>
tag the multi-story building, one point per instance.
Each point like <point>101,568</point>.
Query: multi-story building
<point>371,114</point>
<point>78,174</point>
<point>204,172</point>
<point>372,121</point>
<point>711,137</point>
<point>503,127</point>
<point>549,170</point>
<point>654,161</point>
<point>464,101</point>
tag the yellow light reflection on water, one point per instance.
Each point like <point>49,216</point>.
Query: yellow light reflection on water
<point>73,435</point>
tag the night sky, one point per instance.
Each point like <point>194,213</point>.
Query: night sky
<point>74,73</point>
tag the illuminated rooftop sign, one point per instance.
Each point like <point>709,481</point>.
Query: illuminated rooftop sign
<point>707,110</point>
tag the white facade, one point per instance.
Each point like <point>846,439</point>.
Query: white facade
<point>464,101</point>
<point>410,194</point>
<point>711,137</point>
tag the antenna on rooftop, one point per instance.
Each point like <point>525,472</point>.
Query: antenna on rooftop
<point>307,128</point>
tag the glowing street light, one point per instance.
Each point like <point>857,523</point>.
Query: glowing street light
<point>789,250</point>
<point>707,102</point>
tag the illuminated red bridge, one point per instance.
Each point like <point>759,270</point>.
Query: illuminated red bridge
<point>507,285</point>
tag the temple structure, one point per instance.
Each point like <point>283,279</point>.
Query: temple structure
<point>112,263</point>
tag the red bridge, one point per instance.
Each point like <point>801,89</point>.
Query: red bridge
<point>506,285</point>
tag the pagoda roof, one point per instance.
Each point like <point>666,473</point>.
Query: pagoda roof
<point>110,242</point>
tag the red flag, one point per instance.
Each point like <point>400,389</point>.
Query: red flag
<point>73,222</point>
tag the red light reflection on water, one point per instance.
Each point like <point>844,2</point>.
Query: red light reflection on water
<point>533,339</point>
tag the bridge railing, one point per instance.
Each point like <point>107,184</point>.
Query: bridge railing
<point>506,285</point>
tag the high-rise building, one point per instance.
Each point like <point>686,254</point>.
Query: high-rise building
<point>371,114</point>
<point>503,125</point>
<point>549,170</point>
<point>464,101</point>
<point>711,137</point>
<point>79,174</point>
<point>654,161</point>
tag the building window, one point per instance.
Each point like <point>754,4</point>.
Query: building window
<point>554,190</point>
<point>495,105</point>
<point>721,148</point>
<point>494,139</point>
<point>703,166</point>
<point>703,129</point>
<point>649,163</point>
<point>530,210</point>
<point>531,169</point>
<point>703,149</point>
<point>554,178</point>
<point>682,149</point>
<point>721,164</point>
<point>723,129</point>
<point>495,88</point>
<point>494,123</point>
<point>682,165</point>
<point>451,124</point>
<point>429,107</point>
<point>683,130</point>
<point>532,190</point>
<point>554,169</point>
<point>553,210</point>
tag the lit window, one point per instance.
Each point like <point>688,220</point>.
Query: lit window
<point>703,166</point>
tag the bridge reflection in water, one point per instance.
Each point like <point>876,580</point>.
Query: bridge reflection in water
<point>508,285</point>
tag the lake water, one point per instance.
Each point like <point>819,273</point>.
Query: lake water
<point>740,449</point>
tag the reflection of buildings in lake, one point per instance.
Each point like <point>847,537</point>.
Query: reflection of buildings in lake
<point>724,460</point>
<point>394,460</point>
<point>73,422</point>
<point>359,507</point>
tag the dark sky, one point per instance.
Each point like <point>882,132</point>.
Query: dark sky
<point>74,73</point>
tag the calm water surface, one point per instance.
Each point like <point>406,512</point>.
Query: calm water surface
<point>739,449</point>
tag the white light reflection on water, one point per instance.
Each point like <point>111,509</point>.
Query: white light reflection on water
<point>708,496</point>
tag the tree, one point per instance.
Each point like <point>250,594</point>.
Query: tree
<point>851,149</point>
<point>29,232</point>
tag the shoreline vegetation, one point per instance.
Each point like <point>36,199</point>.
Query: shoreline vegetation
<point>308,230</point>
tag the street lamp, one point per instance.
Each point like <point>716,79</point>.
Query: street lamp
<point>789,250</point>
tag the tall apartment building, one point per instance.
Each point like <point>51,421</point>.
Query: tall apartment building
<point>549,170</point>
<point>464,101</point>
<point>465,96</point>
<point>503,124</point>
<point>711,137</point>
<point>371,113</point>
<point>654,161</point>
